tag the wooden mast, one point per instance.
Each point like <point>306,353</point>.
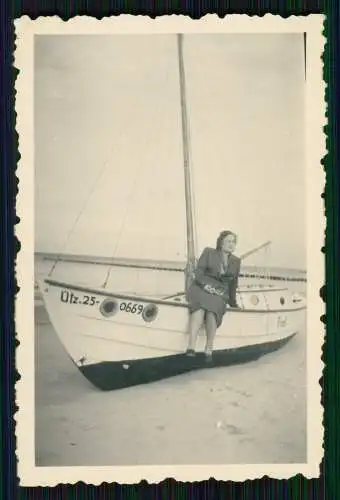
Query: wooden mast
<point>191,253</point>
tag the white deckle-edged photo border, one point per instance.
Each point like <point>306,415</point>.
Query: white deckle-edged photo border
<point>315,145</point>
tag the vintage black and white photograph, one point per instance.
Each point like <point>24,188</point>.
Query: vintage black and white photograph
<point>174,248</point>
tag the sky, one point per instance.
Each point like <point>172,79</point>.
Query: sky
<point>108,151</point>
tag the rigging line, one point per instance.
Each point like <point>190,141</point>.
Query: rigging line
<point>82,209</point>
<point>137,174</point>
<point>122,226</point>
<point>163,140</point>
<point>153,161</point>
<point>254,250</point>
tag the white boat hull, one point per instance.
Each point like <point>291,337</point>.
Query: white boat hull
<point>122,332</point>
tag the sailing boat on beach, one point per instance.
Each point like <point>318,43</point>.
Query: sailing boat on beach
<point>118,340</point>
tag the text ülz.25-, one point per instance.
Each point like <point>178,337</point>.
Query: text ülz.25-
<point>90,300</point>
<point>72,298</point>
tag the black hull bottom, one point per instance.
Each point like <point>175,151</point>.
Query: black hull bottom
<point>113,375</point>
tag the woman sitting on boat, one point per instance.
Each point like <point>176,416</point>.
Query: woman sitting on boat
<point>214,286</point>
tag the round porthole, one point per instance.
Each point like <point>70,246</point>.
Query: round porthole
<point>254,300</point>
<point>296,298</point>
<point>282,301</point>
<point>150,312</point>
<point>108,308</point>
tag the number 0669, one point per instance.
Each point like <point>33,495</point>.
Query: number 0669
<point>130,307</point>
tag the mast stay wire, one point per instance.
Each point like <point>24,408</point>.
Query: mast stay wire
<point>159,243</point>
<point>82,209</point>
<point>137,173</point>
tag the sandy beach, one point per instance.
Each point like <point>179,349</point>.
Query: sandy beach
<point>251,413</point>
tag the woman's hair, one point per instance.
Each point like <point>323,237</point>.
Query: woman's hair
<point>221,237</point>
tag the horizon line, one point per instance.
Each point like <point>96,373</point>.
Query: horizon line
<point>94,259</point>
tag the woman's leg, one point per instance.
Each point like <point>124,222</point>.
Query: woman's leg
<point>196,321</point>
<point>211,327</point>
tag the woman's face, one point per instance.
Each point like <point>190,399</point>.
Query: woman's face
<point>229,243</point>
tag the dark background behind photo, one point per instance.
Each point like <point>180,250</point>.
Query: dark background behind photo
<point>327,486</point>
